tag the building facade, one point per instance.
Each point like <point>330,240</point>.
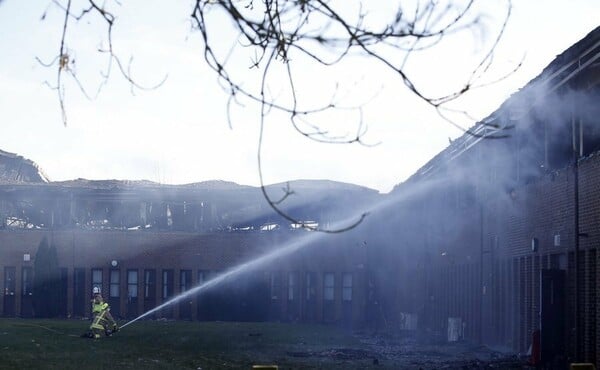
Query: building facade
<point>144,244</point>
<point>503,226</point>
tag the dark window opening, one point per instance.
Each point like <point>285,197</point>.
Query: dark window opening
<point>590,135</point>
<point>559,145</point>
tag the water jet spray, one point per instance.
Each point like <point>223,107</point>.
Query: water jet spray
<point>293,246</point>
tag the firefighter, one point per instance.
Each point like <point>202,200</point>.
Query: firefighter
<point>103,321</point>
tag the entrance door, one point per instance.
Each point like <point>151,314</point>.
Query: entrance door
<point>552,320</point>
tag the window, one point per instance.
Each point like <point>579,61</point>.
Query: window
<point>132,284</point>
<point>185,280</point>
<point>167,283</point>
<point>347,287</point>
<point>589,134</point>
<point>27,279</point>
<point>275,285</point>
<point>292,283</point>
<point>149,284</point>
<point>310,286</point>
<point>328,286</point>
<point>202,277</point>
<point>97,278</point>
<point>9,280</point>
<point>115,279</point>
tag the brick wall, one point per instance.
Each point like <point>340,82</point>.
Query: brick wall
<point>544,210</point>
<point>141,250</point>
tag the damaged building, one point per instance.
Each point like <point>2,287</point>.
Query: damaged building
<point>494,240</point>
<point>142,243</point>
<point>502,228</point>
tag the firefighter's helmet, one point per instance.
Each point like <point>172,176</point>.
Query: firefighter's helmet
<point>96,290</point>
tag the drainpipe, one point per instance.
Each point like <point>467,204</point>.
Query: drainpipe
<point>481,286</point>
<point>576,229</point>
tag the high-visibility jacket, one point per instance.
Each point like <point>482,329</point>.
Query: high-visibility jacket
<point>98,304</point>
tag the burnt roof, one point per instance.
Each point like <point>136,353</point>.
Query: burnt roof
<point>564,66</point>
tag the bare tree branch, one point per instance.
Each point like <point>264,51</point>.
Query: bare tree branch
<point>65,61</point>
<point>291,33</point>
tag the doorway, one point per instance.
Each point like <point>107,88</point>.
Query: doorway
<point>552,315</point>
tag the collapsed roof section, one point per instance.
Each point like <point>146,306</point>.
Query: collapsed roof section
<point>15,169</point>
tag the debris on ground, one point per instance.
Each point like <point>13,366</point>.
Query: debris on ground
<point>337,354</point>
<point>407,352</point>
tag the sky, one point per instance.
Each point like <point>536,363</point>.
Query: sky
<point>180,132</point>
